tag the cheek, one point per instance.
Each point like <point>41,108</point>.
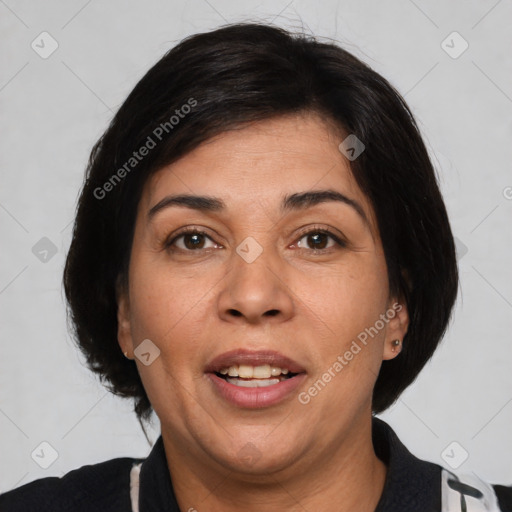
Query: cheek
<point>167,310</point>
<point>348,303</point>
<point>163,300</point>
<point>349,298</point>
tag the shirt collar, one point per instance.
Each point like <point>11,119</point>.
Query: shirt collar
<point>411,483</point>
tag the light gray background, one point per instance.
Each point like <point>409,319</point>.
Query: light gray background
<point>54,109</point>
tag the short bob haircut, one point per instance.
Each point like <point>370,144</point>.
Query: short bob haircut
<point>220,80</point>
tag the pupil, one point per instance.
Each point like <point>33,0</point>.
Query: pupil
<point>315,237</point>
<point>193,245</point>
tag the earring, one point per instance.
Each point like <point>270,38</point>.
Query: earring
<point>396,344</point>
<point>126,355</point>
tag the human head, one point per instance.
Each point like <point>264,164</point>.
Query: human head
<point>230,77</point>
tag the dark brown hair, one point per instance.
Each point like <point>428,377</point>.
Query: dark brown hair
<point>241,73</point>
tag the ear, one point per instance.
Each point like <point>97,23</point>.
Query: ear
<point>124,334</point>
<point>398,324</point>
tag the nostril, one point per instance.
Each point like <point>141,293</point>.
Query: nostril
<point>272,312</point>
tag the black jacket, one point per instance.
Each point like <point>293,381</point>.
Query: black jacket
<point>412,485</point>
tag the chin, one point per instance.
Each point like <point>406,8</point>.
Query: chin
<point>253,455</point>
<point>250,462</point>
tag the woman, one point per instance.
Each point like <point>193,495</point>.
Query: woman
<point>262,256</point>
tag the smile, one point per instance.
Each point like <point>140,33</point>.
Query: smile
<point>250,379</point>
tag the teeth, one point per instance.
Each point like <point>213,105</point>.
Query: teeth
<point>246,371</point>
<point>253,383</point>
<point>262,372</point>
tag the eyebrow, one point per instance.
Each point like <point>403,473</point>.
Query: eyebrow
<point>291,202</point>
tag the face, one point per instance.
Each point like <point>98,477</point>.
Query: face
<point>269,318</point>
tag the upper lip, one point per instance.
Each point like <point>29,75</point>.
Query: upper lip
<point>253,358</point>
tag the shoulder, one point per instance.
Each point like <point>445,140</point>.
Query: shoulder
<point>104,486</point>
<point>467,491</point>
<point>504,494</point>
<point>420,485</point>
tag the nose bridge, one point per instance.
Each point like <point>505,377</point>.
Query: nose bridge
<point>255,285</point>
<point>252,267</point>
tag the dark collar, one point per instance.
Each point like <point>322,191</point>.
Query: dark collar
<point>155,489</point>
<point>411,484</point>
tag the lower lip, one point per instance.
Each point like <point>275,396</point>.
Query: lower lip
<point>256,398</point>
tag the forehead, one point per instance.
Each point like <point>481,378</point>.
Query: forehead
<point>259,164</point>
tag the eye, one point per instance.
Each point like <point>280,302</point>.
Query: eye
<point>192,239</point>
<point>318,240</point>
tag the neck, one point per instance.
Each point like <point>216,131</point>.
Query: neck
<point>345,477</point>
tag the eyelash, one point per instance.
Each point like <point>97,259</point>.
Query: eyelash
<point>195,231</point>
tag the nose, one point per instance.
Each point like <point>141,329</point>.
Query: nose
<point>256,292</point>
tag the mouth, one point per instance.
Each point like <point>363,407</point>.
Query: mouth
<point>254,379</point>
